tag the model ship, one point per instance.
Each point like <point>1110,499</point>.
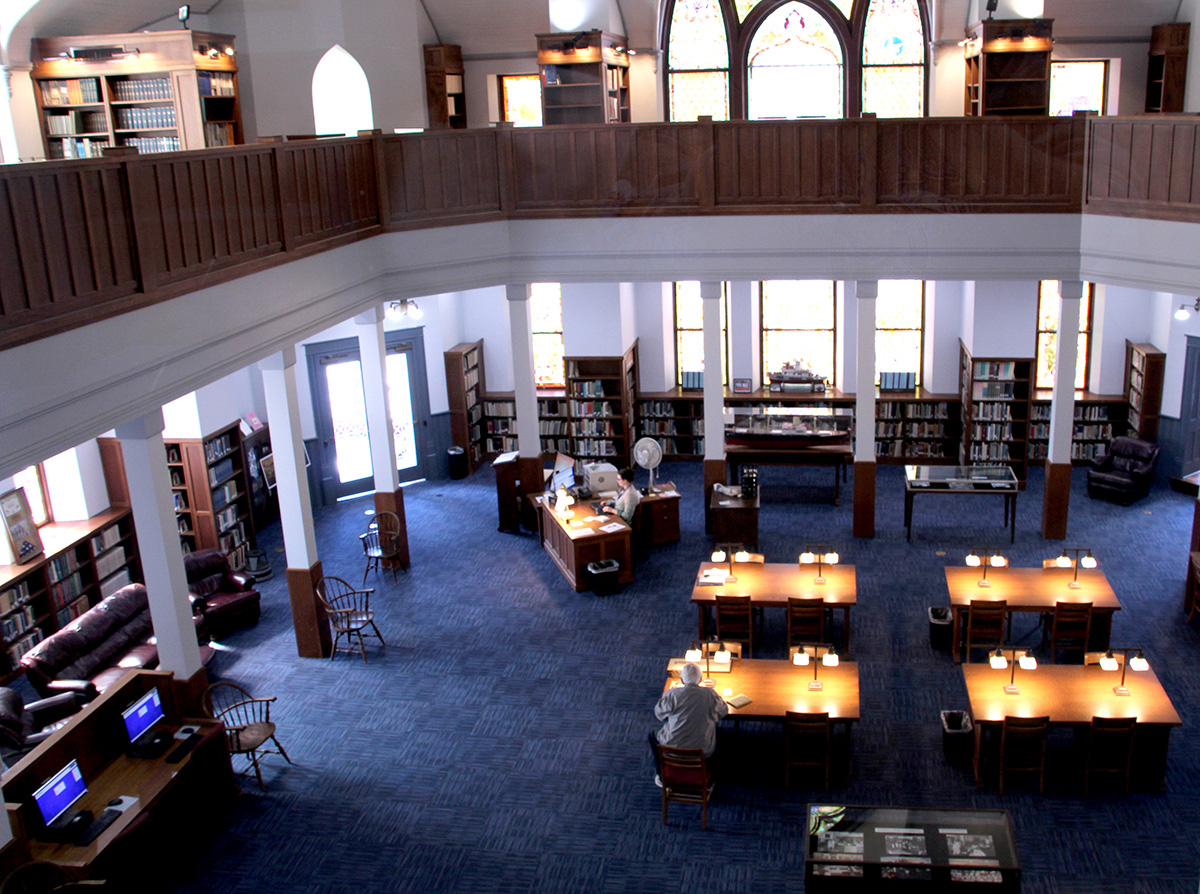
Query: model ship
<point>796,377</point>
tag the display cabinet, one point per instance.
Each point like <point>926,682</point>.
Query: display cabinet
<point>1008,67</point>
<point>1144,366</point>
<point>585,78</point>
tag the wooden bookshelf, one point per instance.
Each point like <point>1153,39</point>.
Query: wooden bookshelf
<point>1144,367</point>
<point>264,504</point>
<point>995,394</point>
<point>82,562</point>
<point>675,419</point>
<point>585,78</point>
<point>464,388</point>
<point>1098,419</point>
<point>600,403</point>
<point>159,91</point>
<point>1166,75</point>
<point>917,426</point>
<point>212,493</point>
<point>1008,67</point>
<point>444,93</point>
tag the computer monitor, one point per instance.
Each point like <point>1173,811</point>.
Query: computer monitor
<point>564,477</point>
<point>59,792</point>
<point>142,715</point>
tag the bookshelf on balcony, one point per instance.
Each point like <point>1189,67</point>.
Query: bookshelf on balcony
<point>995,394</point>
<point>1098,419</point>
<point>465,385</point>
<point>585,78</point>
<point>601,392</point>
<point>1144,365</point>
<point>1008,67</point>
<point>444,93</point>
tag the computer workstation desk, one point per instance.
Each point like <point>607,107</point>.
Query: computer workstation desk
<point>573,541</point>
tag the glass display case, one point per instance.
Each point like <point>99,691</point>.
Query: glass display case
<point>786,426</point>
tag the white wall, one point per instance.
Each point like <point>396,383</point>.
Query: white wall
<point>1003,322</point>
<point>1120,313</point>
<point>593,320</point>
<point>485,315</point>
<point>656,343</point>
<point>944,302</point>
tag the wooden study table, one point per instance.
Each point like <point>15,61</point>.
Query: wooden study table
<point>1033,590</point>
<point>1071,695</point>
<point>770,585</point>
<point>573,546</point>
<point>778,686</point>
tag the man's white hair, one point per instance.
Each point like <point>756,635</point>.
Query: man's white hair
<point>690,674</point>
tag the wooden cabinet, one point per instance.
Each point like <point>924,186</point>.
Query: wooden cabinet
<point>212,493</point>
<point>1166,75</point>
<point>158,91</point>
<point>1008,67</point>
<point>1144,365</point>
<point>600,402</point>
<point>83,562</point>
<point>585,78</point>
<point>995,394</point>
<point>464,388</point>
<point>1098,419</point>
<point>264,505</point>
<point>444,92</point>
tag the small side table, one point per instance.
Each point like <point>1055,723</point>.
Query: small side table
<point>734,520</point>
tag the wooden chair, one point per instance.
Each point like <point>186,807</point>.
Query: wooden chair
<point>685,777</point>
<point>40,876</point>
<point>805,620</point>
<point>350,614</point>
<point>1070,627</point>
<point>247,720</point>
<point>735,621</point>
<point>381,544</point>
<point>1023,748</point>
<point>986,621</point>
<point>807,743</point>
<point>1110,750</point>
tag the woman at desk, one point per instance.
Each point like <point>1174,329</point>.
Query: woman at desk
<point>627,498</point>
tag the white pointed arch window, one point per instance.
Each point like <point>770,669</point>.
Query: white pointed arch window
<point>698,61</point>
<point>893,84</point>
<point>794,67</point>
<point>341,95</point>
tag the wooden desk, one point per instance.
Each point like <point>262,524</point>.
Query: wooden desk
<point>1070,695</point>
<point>573,547</point>
<point>734,519</point>
<point>838,456</point>
<point>772,584</point>
<point>1033,590</point>
<point>657,519</point>
<point>778,686</point>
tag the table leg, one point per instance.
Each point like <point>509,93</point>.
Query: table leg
<point>956,635</point>
<point>976,759</point>
<point>908,501</point>
<point>1012,535</point>
<point>837,487</point>
<point>700,609</point>
<point>846,628</point>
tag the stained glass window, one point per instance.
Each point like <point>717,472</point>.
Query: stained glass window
<point>1047,337</point>
<point>689,330</point>
<point>545,308</point>
<point>899,313</point>
<point>698,61</point>
<point>521,99</point>
<point>798,324</point>
<point>744,8</point>
<point>894,60</point>
<point>795,66</point>
<point>1077,86</point>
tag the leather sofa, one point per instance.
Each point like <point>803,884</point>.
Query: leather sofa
<point>1125,473</point>
<point>225,599</point>
<point>99,647</point>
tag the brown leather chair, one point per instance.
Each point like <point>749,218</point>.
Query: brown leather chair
<point>1023,748</point>
<point>808,745</point>
<point>986,622</point>
<point>1070,627</point>
<point>735,621</point>
<point>1125,473</point>
<point>686,777</point>
<point>1110,750</point>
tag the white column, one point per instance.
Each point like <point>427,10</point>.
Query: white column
<point>745,333</point>
<point>866,292</point>
<point>520,325</point>
<point>287,446</point>
<point>158,543</point>
<point>373,354</point>
<point>714,392</point>
<point>1066,352</point>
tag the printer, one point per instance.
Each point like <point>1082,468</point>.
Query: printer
<point>600,477</point>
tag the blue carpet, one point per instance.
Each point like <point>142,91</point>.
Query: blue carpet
<point>497,743</point>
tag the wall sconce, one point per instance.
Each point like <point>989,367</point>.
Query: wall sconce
<point>184,12</point>
<point>821,555</point>
<point>802,658</point>
<point>213,52</point>
<point>230,51</point>
<point>719,556</point>
<point>1137,664</point>
<point>1084,561</point>
<point>405,307</point>
<point>991,7</point>
<point>990,557</point>
<point>998,661</point>
<point>1183,313</point>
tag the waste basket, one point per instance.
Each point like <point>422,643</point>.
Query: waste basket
<point>458,462</point>
<point>958,737</point>
<point>603,576</point>
<point>941,623</point>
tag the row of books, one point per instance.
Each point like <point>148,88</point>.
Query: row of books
<point>215,83</point>
<point>153,145</point>
<point>69,613</point>
<point>551,407</point>
<point>77,91</point>
<point>67,590</point>
<point>145,118</point>
<point>553,427</point>
<point>475,412</point>
<point>691,380</point>
<point>589,447</point>
<point>24,644</point>
<point>992,412</point>
<point>140,90</point>
<point>110,562</point>
<point>981,452</point>
<point>897,381</point>
<point>658,428</point>
<point>591,408</point>
<point>994,369</point>
<point>500,408</point>
<point>588,389</point>
<point>231,538</point>
<point>912,449</point>
<point>224,494</point>
<point>17,623</point>
<point>499,426</point>
<point>680,446</point>
<point>993,431</point>
<point>910,430</point>
<point>664,408</point>
<point>222,470</point>
<point>15,596</point>
<point>1041,450</point>
<point>84,147</point>
<point>106,539</point>
<point>218,133</point>
<point>993,391</point>
<point>556,445</point>
<point>227,518</point>
<point>471,377</point>
<point>592,428</point>
<point>63,564</point>
<point>218,447</point>
<point>1088,413</point>
<point>110,585</point>
<point>76,122</point>
<point>502,444</point>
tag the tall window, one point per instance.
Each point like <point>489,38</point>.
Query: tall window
<point>1047,336</point>
<point>698,61</point>
<point>341,95</point>
<point>798,323</point>
<point>893,84</point>
<point>33,480</point>
<point>521,100</point>
<point>899,315</point>
<point>795,66</point>
<point>545,306</point>
<point>1078,86</point>
<point>689,331</point>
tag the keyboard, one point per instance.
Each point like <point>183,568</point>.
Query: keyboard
<point>181,750</point>
<point>99,824</point>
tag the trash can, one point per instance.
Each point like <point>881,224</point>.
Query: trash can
<point>258,566</point>
<point>458,462</point>
<point>958,737</point>
<point>603,576</point>
<point>941,625</point>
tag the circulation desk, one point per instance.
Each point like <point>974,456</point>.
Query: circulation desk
<point>573,542</point>
<point>1033,590</point>
<point>770,585</point>
<point>1071,695</point>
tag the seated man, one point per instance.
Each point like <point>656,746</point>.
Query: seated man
<point>690,713</point>
<point>627,498</point>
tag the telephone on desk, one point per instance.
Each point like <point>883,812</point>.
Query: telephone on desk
<point>728,490</point>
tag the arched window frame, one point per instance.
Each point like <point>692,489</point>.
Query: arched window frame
<point>729,16</point>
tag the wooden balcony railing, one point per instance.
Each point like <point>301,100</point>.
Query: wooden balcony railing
<point>86,240</point>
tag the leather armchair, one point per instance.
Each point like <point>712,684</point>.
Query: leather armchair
<point>224,597</point>
<point>22,726</point>
<point>1125,473</point>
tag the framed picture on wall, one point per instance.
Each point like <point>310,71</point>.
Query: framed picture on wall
<point>742,386</point>
<point>23,533</point>
<point>267,465</point>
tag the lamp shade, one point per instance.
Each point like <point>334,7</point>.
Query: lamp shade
<point>830,659</point>
<point>973,560</point>
<point>997,561</point>
<point>718,555</point>
<point>1139,663</point>
<point>831,558</point>
<point>692,655</point>
<point>1088,561</point>
<point>1063,561</point>
<point>807,558</point>
<point>1027,662</point>
<point>741,556</point>
<point>1109,662</point>
<point>800,658</point>
<point>997,660</point>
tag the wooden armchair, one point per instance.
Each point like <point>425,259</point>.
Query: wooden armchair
<point>381,544</point>
<point>350,615</point>
<point>686,777</point>
<point>247,721</point>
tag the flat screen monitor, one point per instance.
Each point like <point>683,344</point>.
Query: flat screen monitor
<point>59,792</point>
<point>562,461</point>
<point>563,478</point>
<point>143,714</point>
